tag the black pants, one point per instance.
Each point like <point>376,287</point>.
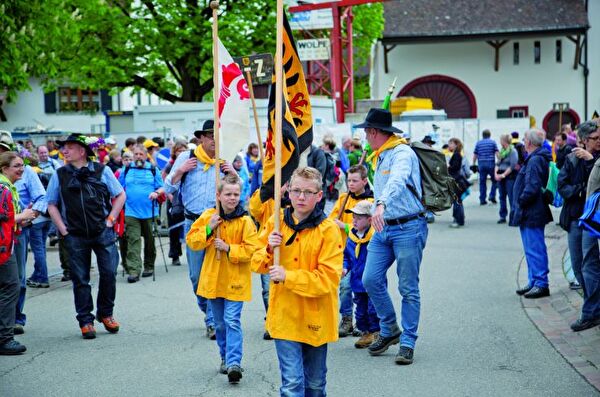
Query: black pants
<point>174,234</point>
<point>9,295</point>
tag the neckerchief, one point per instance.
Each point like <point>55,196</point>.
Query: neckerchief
<point>391,143</point>
<point>203,157</point>
<point>13,192</point>
<point>367,194</point>
<point>505,152</point>
<point>313,220</point>
<point>365,239</point>
<point>238,212</point>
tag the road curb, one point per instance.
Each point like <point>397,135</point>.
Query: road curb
<point>553,315</point>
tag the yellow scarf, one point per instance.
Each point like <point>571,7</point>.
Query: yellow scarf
<point>204,158</point>
<point>359,241</point>
<point>391,143</point>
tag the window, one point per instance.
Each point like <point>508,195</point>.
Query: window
<point>78,100</point>
<point>559,51</point>
<point>537,51</point>
<point>518,111</point>
<point>515,53</point>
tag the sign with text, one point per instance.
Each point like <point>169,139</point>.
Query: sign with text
<point>260,67</point>
<point>312,20</point>
<point>314,49</point>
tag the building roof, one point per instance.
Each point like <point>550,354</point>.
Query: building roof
<point>409,21</point>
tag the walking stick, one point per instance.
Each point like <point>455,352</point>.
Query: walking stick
<point>343,207</point>
<point>156,235</point>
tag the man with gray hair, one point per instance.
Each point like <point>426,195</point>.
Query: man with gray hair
<point>532,213</point>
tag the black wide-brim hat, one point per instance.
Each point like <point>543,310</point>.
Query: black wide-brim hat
<point>428,140</point>
<point>207,128</point>
<point>75,138</point>
<point>380,119</point>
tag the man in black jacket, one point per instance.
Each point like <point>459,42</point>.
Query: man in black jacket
<point>561,149</point>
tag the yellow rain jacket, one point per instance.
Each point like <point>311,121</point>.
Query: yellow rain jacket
<point>346,217</point>
<point>304,308</point>
<point>229,278</point>
<point>261,212</point>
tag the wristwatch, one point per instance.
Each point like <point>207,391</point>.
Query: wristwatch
<point>110,218</point>
<point>380,202</point>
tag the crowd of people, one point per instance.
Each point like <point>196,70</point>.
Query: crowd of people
<point>347,216</point>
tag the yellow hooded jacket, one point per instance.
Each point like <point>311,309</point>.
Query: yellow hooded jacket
<point>261,212</point>
<point>304,308</point>
<point>229,278</point>
<point>346,217</point>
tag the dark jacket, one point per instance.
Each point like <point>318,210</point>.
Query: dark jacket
<point>572,183</point>
<point>561,155</point>
<point>454,169</point>
<point>316,159</point>
<point>530,210</point>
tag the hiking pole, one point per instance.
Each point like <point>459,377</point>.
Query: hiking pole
<point>156,235</point>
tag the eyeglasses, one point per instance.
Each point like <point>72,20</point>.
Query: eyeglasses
<point>594,138</point>
<point>307,193</point>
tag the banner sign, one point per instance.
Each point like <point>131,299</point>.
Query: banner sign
<point>260,67</point>
<point>314,49</point>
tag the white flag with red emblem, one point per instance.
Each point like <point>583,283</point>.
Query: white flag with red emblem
<point>234,105</point>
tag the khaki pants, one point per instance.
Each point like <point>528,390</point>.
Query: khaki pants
<point>134,230</point>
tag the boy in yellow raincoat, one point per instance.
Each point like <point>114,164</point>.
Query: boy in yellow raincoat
<point>303,301</point>
<point>226,282</point>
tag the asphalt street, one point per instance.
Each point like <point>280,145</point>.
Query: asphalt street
<point>475,339</point>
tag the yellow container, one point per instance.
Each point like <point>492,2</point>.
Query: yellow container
<point>403,104</point>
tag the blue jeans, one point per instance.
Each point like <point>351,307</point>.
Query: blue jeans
<point>458,213</point>
<point>505,186</point>
<point>37,240</point>
<point>591,277</point>
<point>265,282</point>
<point>486,170</point>
<point>21,256</point>
<point>403,243</point>
<point>303,368</point>
<point>80,258</point>
<point>345,296</point>
<point>366,315</point>
<point>195,260</point>
<point>575,238</point>
<point>536,256</point>
<point>228,329</point>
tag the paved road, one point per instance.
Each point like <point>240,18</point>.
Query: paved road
<point>475,339</point>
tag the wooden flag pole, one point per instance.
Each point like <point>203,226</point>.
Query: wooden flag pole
<point>345,202</point>
<point>215,36</point>
<point>255,113</point>
<point>278,124</point>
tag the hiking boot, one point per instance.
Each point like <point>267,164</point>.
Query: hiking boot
<point>234,374</point>
<point>88,331</point>
<point>382,343</point>
<point>537,292</point>
<point>147,274</point>
<point>110,324</point>
<point>346,327</point>
<point>366,340</point>
<point>267,336</point>
<point>223,367</point>
<point>580,324</point>
<point>18,329</point>
<point>12,348</point>
<point>404,356</point>
<point>133,279</point>
<point>176,262</point>
<point>53,240</point>
<point>66,277</point>
<point>356,332</point>
<point>211,333</point>
<point>35,284</point>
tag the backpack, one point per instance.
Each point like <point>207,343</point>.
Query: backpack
<point>590,219</point>
<point>332,175</point>
<point>151,169</point>
<point>440,190</point>
<point>86,199</point>
<point>520,148</point>
<point>7,225</point>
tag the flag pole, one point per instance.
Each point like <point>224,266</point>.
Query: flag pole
<point>214,5</point>
<point>255,113</point>
<point>278,124</point>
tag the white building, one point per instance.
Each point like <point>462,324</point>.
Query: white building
<point>494,59</point>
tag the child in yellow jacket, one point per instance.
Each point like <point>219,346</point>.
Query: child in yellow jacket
<point>303,300</point>
<point>358,189</point>
<point>226,282</point>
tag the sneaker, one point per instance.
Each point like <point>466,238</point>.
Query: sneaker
<point>356,332</point>
<point>35,284</point>
<point>66,277</point>
<point>574,285</point>
<point>455,225</point>
<point>211,333</point>
<point>12,348</point>
<point>366,340</point>
<point>110,324</point>
<point>18,329</point>
<point>267,336</point>
<point>234,374</point>
<point>493,201</point>
<point>147,274</point>
<point>176,262</point>
<point>580,325</point>
<point>382,343</point>
<point>346,327</point>
<point>88,331</point>
<point>133,279</point>
<point>53,240</point>
<point>404,356</point>
<point>223,367</point>
<point>501,221</point>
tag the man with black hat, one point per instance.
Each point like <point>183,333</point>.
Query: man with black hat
<point>193,174</point>
<point>79,202</point>
<point>400,234</point>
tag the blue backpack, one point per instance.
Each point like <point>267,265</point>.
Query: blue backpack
<point>590,220</point>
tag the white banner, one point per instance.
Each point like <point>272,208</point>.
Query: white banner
<point>314,49</point>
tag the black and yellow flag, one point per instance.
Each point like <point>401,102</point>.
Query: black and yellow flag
<point>296,131</point>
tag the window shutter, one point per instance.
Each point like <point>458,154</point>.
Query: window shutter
<point>105,100</point>
<point>50,102</point>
